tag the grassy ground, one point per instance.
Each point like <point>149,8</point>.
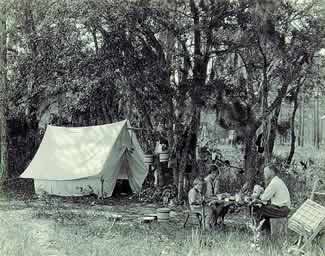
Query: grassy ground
<point>62,229</point>
<point>54,227</point>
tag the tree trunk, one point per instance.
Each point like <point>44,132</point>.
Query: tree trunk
<point>303,120</point>
<point>317,119</point>
<point>293,134</point>
<point>250,161</point>
<point>300,125</point>
<point>321,131</point>
<point>314,121</point>
<point>293,117</point>
<point>106,115</point>
<point>188,149</point>
<point>3,98</point>
<point>272,133</point>
<point>175,176</point>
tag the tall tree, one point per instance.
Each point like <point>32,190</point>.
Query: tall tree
<point>3,93</point>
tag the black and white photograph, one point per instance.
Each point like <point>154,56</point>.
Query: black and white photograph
<point>162,127</point>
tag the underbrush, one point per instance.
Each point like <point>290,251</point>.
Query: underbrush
<point>300,179</point>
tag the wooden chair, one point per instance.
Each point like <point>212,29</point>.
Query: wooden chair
<point>199,214</point>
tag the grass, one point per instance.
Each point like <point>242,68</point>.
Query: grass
<point>61,229</point>
<point>302,153</point>
<point>35,231</point>
<point>137,241</point>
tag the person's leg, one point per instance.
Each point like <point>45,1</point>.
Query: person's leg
<point>220,211</point>
<point>270,211</point>
<point>210,218</point>
<point>223,213</point>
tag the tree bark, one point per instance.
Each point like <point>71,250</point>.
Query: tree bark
<point>272,133</point>
<point>250,161</point>
<point>3,97</point>
<point>317,119</point>
<point>314,121</point>
<point>293,134</point>
<point>293,117</point>
<point>188,149</point>
<point>300,125</point>
<point>302,140</point>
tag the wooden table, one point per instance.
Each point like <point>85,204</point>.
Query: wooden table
<point>239,204</point>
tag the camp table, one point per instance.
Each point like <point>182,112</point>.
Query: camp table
<point>248,203</point>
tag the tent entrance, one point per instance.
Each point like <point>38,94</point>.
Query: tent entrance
<point>122,188</point>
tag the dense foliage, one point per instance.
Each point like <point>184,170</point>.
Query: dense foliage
<point>159,64</point>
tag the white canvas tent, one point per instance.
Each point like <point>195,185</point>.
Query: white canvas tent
<point>84,160</point>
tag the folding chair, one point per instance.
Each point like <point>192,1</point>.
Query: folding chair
<point>199,214</point>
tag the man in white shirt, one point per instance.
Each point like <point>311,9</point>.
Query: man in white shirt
<point>276,197</point>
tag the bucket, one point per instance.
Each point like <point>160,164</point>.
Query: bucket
<point>148,159</point>
<point>163,214</point>
<point>164,156</point>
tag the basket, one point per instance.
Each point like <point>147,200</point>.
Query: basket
<point>308,220</point>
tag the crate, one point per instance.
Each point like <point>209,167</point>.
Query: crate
<point>308,220</point>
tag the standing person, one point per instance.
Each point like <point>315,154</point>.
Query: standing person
<point>196,201</point>
<point>276,198</point>
<point>212,181</point>
<point>203,161</point>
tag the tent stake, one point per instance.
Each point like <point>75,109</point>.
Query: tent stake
<point>102,188</point>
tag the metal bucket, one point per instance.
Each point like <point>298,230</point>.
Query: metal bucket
<point>164,156</point>
<point>148,159</point>
<point>163,214</point>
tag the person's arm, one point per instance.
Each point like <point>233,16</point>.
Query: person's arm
<point>217,187</point>
<point>269,192</point>
<point>208,189</point>
<point>193,198</point>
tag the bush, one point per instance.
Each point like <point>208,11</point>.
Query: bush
<point>300,177</point>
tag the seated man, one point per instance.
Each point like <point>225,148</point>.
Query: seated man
<point>212,189</point>
<point>276,196</point>
<point>196,202</point>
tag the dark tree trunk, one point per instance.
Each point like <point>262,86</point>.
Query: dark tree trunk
<point>3,98</point>
<point>272,134</point>
<point>293,134</point>
<point>250,161</point>
<point>175,176</point>
<point>300,125</point>
<point>188,149</point>
<point>182,166</point>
